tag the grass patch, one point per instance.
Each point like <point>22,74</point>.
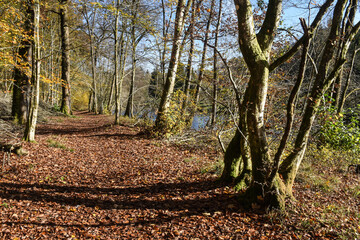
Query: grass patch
<point>56,144</point>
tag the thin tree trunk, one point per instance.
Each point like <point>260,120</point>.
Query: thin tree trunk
<point>129,111</point>
<point>189,66</point>
<point>65,60</point>
<point>161,122</point>
<point>348,79</point>
<point>216,77</point>
<point>203,58</point>
<point>291,101</point>
<point>117,97</point>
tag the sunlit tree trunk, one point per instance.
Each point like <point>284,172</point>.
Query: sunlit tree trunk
<point>189,67</point>
<point>161,123</point>
<point>29,134</point>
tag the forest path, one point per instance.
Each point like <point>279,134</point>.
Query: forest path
<point>85,178</point>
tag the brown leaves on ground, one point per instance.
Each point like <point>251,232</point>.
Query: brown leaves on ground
<point>88,179</point>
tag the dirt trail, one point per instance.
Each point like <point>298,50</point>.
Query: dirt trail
<point>85,178</point>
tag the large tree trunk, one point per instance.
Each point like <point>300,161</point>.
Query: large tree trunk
<point>65,60</point>
<point>256,51</point>
<point>29,134</point>
<point>162,122</point>
<point>22,81</point>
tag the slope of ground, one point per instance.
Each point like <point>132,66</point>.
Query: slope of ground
<point>87,179</point>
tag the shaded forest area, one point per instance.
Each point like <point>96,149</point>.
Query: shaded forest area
<point>179,119</point>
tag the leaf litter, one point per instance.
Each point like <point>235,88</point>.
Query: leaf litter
<point>113,182</point>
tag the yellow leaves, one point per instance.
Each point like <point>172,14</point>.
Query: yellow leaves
<point>72,209</point>
<point>260,198</point>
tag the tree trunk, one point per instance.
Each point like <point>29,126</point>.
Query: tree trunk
<point>29,134</point>
<point>347,83</point>
<point>65,60</point>
<point>203,58</point>
<point>215,80</point>
<point>21,87</point>
<point>116,62</point>
<point>189,67</point>
<point>129,111</point>
<point>162,122</point>
<point>265,185</point>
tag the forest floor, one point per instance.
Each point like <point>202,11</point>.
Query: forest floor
<point>85,178</point>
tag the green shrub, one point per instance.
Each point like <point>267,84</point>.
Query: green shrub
<point>338,134</point>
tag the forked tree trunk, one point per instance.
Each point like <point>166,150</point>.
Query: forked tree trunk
<point>266,187</point>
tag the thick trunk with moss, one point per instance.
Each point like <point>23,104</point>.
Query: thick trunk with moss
<point>256,51</point>
<point>267,187</point>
